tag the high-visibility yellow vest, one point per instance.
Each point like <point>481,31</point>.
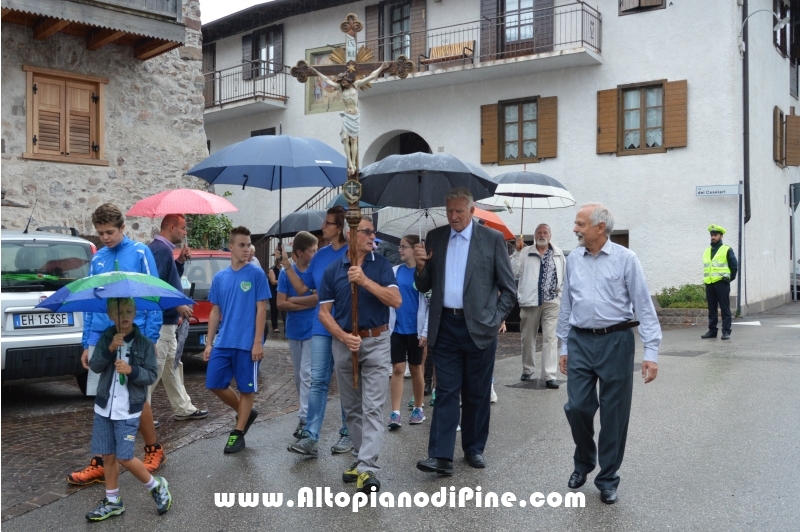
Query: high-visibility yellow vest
<point>716,268</point>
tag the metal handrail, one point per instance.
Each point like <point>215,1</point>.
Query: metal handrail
<point>243,82</point>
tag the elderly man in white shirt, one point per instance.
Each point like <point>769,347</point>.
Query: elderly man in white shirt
<point>540,271</point>
<point>604,283</point>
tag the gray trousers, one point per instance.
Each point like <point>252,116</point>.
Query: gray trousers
<point>606,358</point>
<point>301,360</point>
<point>530,317</point>
<point>363,406</point>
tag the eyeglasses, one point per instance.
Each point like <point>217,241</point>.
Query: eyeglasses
<point>326,223</point>
<point>367,232</point>
<point>403,246</point>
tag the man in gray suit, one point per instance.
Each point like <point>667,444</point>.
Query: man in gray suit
<point>467,267</point>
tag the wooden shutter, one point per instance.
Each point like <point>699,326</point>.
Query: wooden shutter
<point>209,66</point>
<point>489,29</point>
<point>607,120</point>
<point>675,120</point>
<point>777,135</point>
<point>80,119</point>
<point>627,5</point>
<point>651,3</point>
<point>793,140</point>
<point>417,25</point>
<point>547,146</point>
<point>277,40</point>
<point>48,116</point>
<point>489,129</point>
<point>372,30</point>
<point>247,56</point>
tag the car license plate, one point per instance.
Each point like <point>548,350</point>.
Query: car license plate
<point>202,339</point>
<point>42,319</point>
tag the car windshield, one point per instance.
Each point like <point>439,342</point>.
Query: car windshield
<point>200,271</point>
<point>43,266</point>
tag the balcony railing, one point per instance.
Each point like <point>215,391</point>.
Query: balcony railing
<point>166,8</point>
<point>523,32</point>
<point>251,80</point>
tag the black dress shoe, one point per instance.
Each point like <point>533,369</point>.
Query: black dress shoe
<point>709,334</point>
<point>427,390</point>
<point>608,496</point>
<point>525,377</point>
<point>476,460</point>
<point>436,465</point>
<point>726,336</point>
<point>576,480</point>
<point>552,384</point>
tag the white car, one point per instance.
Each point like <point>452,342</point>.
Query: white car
<point>41,345</point>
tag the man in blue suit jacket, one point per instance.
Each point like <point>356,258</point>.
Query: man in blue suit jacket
<point>467,267</point>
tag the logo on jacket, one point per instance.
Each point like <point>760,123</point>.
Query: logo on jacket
<point>246,286</point>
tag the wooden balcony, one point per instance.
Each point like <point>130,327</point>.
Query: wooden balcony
<point>150,27</point>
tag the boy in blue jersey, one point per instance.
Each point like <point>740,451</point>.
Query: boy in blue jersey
<point>300,312</point>
<point>239,297</point>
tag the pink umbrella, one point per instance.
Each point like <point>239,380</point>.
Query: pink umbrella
<point>181,201</point>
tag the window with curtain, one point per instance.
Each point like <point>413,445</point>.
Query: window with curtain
<point>520,130</point>
<point>643,118</point>
<point>266,53</point>
<point>400,23</point>
<point>518,20</point>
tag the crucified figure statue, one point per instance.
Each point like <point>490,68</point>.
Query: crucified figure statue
<point>344,84</point>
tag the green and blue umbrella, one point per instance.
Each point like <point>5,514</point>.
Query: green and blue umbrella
<point>91,293</point>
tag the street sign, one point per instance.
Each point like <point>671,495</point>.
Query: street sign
<point>717,190</point>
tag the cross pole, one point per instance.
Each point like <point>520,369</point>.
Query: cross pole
<point>351,70</point>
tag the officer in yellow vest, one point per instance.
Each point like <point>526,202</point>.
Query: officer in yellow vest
<point>719,269</point>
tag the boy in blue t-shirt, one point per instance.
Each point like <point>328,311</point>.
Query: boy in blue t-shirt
<point>239,297</point>
<point>300,316</point>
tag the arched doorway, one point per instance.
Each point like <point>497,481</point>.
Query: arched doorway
<point>395,143</point>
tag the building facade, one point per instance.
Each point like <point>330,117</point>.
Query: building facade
<point>634,103</point>
<point>101,102</point>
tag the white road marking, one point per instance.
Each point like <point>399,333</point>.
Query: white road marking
<point>747,323</point>
<point>796,326</point>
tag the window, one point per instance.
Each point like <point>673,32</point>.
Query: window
<point>266,53</point>
<point>519,20</point>
<point>642,118</point>
<point>65,117</point>
<point>262,52</point>
<point>778,146</point>
<point>519,131</point>
<point>780,38</point>
<point>520,123</point>
<point>628,7</point>
<point>260,132</point>
<point>401,25</point>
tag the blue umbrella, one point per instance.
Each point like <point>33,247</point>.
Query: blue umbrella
<point>339,201</point>
<point>275,162</point>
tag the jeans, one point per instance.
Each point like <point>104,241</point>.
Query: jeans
<point>321,370</point>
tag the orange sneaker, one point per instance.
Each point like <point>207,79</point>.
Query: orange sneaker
<point>92,473</point>
<point>154,457</point>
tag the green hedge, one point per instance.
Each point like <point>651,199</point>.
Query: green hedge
<point>686,296</point>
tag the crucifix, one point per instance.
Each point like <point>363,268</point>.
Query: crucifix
<point>353,71</point>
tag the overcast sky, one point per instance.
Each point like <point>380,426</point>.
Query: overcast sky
<point>214,9</point>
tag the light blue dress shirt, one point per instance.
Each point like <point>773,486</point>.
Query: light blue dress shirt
<point>603,291</point>
<point>456,267</point>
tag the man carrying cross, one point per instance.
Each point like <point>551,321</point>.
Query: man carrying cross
<point>346,85</point>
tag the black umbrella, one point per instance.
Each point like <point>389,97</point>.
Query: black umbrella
<point>291,224</point>
<point>421,180</point>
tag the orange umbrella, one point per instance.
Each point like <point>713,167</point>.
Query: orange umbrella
<point>490,219</point>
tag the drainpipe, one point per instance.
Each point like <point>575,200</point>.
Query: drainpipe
<point>744,198</point>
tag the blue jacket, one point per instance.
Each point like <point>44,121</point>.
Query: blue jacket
<point>170,271</point>
<point>127,256</point>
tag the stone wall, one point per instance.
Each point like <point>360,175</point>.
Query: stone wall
<point>153,121</point>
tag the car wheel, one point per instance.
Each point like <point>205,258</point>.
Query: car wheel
<point>82,378</point>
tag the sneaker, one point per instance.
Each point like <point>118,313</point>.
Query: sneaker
<point>162,496</point>
<point>433,397</point>
<point>299,431</point>
<point>154,457</point>
<point>250,419</point>
<point>105,510</point>
<point>306,446</point>
<point>407,374</point>
<point>92,473</point>
<point>156,424</point>
<point>366,481</point>
<point>411,404</point>
<point>417,416</point>
<point>351,473</point>
<point>197,414</point>
<point>344,445</point>
<point>493,397</point>
<point>235,442</point>
<point>458,428</point>
<point>394,421</point>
